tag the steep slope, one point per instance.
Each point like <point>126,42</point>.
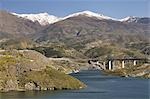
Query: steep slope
<point>29,70</point>
<point>90,14</point>
<point>46,19</point>
<point>76,31</point>
<point>11,24</point>
<point>82,29</point>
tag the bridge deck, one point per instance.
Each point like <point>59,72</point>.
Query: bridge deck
<point>121,59</point>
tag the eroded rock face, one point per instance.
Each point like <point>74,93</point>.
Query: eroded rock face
<point>30,86</point>
<point>1,85</point>
<point>11,85</point>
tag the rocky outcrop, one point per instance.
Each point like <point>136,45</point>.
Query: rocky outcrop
<point>31,86</point>
<point>29,70</point>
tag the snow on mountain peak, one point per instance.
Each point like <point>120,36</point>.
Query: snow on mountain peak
<point>90,14</point>
<point>130,19</point>
<point>42,18</point>
<point>45,18</point>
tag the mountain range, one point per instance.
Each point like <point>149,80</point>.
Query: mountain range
<point>68,43</point>
<point>87,33</point>
<point>45,18</point>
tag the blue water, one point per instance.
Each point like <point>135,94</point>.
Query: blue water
<point>99,87</point>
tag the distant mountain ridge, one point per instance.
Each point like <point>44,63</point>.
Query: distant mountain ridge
<point>79,31</point>
<point>133,19</point>
<point>90,14</point>
<point>42,18</point>
<point>11,24</point>
<point>45,18</point>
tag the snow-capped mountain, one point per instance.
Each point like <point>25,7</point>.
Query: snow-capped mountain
<point>130,19</point>
<point>45,18</point>
<point>140,20</point>
<point>42,18</point>
<point>90,14</point>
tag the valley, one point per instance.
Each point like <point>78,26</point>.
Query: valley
<point>38,54</point>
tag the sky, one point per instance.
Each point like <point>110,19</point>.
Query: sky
<point>113,8</point>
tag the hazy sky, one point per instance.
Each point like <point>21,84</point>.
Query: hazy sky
<point>113,8</point>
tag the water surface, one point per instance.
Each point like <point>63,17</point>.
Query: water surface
<point>99,87</point>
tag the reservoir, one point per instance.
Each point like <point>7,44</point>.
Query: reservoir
<point>99,86</point>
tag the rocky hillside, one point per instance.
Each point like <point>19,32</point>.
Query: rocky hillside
<point>82,32</point>
<point>29,70</point>
<point>14,25</point>
<point>78,36</point>
<point>58,50</point>
<point>79,32</point>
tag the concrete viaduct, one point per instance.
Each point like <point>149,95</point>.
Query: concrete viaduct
<point>110,62</point>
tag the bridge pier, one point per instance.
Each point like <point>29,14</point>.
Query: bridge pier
<point>122,64</point>
<point>134,62</point>
<point>109,65</point>
<point>112,66</point>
